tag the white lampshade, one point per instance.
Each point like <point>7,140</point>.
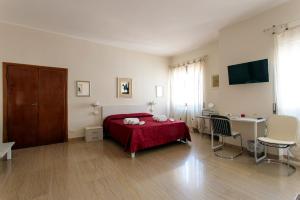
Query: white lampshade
<point>211,105</point>
<point>96,104</point>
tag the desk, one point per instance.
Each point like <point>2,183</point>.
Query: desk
<point>255,122</point>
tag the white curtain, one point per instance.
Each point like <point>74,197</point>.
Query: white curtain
<point>186,97</point>
<point>287,75</point>
<point>287,72</point>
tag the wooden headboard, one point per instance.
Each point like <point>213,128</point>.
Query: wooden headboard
<point>122,109</point>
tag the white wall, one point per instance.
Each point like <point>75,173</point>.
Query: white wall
<point>242,42</point>
<point>85,61</point>
<point>246,41</point>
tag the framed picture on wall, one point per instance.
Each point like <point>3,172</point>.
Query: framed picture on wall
<point>124,87</point>
<point>83,88</point>
<point>215,81</point>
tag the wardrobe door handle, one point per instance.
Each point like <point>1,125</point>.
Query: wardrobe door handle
<point>34,104</point>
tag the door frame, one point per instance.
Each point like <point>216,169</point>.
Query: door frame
<point>5,97</point>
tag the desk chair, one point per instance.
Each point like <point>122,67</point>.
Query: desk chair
<point>221,126</point>
<point>281,133</point>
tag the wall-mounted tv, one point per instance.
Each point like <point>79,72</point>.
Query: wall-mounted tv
<point>250,72</point>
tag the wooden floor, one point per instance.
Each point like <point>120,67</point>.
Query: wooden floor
<point>101,170</point>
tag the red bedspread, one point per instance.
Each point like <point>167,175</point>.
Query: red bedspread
<point>152,133</point>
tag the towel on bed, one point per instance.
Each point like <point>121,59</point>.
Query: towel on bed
<point>131,121</point>
<point>142,123</point>
<point>160,118</point>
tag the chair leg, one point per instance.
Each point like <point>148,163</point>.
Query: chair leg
<point>232,156</point>
<point>288,163</point>
<point>217,147</point>
<point>280,162</point>
<point>263,157</point>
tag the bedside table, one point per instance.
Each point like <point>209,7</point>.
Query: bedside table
<point>93,133</point>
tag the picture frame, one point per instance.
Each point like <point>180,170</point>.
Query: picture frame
<point>215,81</point>
<point>159,91</point>
<point>124,87</point>
<point>83,88</point>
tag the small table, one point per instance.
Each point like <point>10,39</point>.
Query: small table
<point>5,148</point>
<point>255,121</point>
<point>93,133</point>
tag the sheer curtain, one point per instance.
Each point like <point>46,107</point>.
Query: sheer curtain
<point>287,72</point>
<point>287,75</point>
<point>186,97</point>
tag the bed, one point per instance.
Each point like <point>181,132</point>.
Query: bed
<point>137,137</point>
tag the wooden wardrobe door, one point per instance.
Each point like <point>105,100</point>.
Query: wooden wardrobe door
<point>22,105</point>
<point>52,105</point>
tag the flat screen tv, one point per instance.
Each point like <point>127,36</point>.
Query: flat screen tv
<point>250,72</point>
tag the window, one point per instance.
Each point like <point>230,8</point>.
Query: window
<point>287,72</point>
<point>187,91</point>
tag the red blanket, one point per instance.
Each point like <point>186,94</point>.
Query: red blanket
<point>152,133</point>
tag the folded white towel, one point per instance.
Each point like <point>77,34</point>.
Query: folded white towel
<point>142,122</point>
<point>160,118</point>
<point>131,121</point>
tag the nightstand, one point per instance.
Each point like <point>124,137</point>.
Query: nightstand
<point>93,133</point>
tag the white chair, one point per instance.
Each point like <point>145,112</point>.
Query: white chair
<point>281,133</point>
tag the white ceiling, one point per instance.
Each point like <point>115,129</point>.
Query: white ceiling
<point>162,27</point>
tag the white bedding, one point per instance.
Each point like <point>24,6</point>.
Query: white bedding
<point>160,118</point>
<point>131,121</point>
